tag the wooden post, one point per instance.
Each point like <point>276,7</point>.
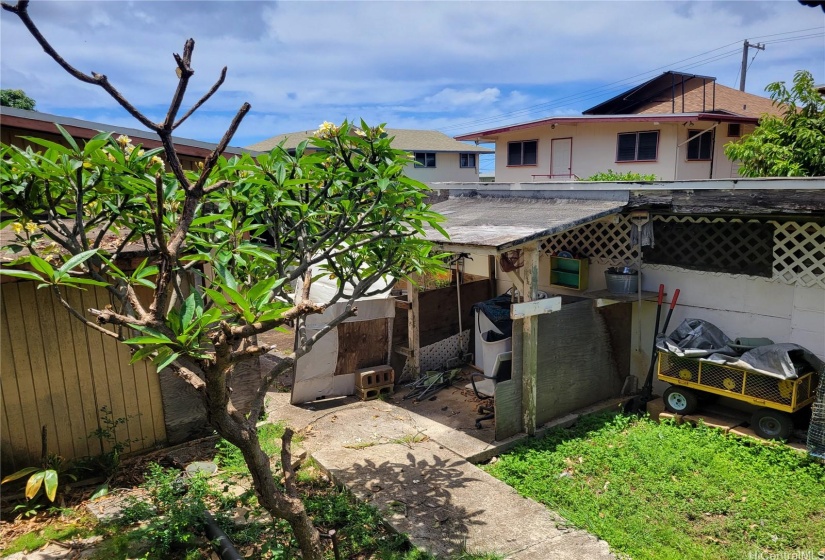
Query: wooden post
<point>529,326</point>
<point>413,333</point>
<point>491,275</point>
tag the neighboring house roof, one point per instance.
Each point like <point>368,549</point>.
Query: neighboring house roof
<point>723,116</point>
<point>404,139</point>
<point>503,221</point>
<point>676,92</point>
<point>44,122</point>
<point>670,97</point>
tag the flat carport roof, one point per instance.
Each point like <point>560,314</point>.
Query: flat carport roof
<point>502,223</point>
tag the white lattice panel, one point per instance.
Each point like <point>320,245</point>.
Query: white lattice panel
<point>434,357</point>
<point>605,242</point>
<point>799,248</point>
<point>799,254</point>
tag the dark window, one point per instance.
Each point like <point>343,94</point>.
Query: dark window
<point>733,247</point>
<point>734,130</point>
<point>425,159</point>
<point>467,160</point>
<point>637,146</point>
<point>522,153</point>
<point>701,145</point>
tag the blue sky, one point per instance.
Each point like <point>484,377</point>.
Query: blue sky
<point>455,66</point>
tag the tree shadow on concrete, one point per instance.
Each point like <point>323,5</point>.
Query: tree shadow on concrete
<point>423,495</point>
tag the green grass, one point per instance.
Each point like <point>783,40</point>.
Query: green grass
<point>56,532</point>
<point>230,459</point>
<point>664,491</point>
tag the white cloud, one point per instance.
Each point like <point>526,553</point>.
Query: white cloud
<point>410,64</point>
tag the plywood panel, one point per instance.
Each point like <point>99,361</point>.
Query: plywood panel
<point>71,382</point>
<point>362,344</point>
<point>439,310</point>
<point>508,402</point>
<point>40,398</point>
<point>58,373</point>
<point>14,427</point>
<point>77,337</point>
<point>18,337</point>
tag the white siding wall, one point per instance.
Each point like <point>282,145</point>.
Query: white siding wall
<point>446,170</point>
<point>594,150</point>
<point>744,306</point>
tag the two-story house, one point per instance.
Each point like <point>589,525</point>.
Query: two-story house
<point>438,158</point>
<point>674,126</point>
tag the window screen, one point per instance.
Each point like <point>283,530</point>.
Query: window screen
<point>734,130</point>
<point>637,146</point>
<point>467,160</point>
<point>701,146</point>
<point>522,153</point>
<point>627,147</point>
<point>425,159</point>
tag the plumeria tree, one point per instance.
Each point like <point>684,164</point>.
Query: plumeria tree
<point>225,246</point>
<point>790,146</point>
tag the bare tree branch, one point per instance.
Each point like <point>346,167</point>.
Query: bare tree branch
<point>202,100</point>
<point>21,10</point>
<point>74,312</point>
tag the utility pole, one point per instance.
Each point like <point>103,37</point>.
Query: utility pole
<point>745,47</point>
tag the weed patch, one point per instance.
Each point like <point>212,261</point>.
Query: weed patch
<point>662,491</point>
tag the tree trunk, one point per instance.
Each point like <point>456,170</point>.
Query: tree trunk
<point>242,433</point>
<point>278,504</point>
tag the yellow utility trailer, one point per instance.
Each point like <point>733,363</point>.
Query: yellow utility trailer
<point>778,398</point>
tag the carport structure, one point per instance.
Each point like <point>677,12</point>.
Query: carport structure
<point>568,351</point>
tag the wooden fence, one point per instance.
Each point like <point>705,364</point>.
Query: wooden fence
<point>58,373</point>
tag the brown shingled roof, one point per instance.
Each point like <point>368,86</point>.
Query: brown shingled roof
<point>726,99</point>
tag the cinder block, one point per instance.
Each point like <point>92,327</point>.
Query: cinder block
<point>371,393</point>
<point>670,416</point>
<point>744,432</point>
<point>724,424</point>
<point>372,377</point>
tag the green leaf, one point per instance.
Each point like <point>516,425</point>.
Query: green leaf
<point>42,266</point>
<point>19,474</point>
<point>102,490</point>
<point>50,482</point>
<point>187,310</point>
<point>166,361</point>
<point>86,281</point>
<point>149,340</point>
<point>26,274</point>
<point>218,298</point>
<point>77,259</point>
<point>68,138</point>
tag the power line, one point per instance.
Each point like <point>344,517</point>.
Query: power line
<point>619,84</point>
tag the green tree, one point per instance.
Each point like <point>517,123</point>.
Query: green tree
<point>791,146</point>
<point>16,98</point>
<point>229,243</point>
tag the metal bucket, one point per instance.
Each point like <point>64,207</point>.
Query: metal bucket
<point>622,280</point>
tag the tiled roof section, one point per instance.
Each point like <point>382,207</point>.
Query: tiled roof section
<point>405,139</point>
<point>726,99</point>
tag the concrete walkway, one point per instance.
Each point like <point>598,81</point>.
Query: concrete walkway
<point>414,471</point>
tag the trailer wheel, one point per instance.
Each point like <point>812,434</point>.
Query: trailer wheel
<point>771,424</point>
<point>680,400</point>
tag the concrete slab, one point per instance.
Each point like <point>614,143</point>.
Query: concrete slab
<point>414,470</point>
<point>447,505</point>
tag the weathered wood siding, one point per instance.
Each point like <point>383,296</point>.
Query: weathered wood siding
<point>58,373</point>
